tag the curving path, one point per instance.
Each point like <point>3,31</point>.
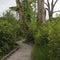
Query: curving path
<point>24,53</point>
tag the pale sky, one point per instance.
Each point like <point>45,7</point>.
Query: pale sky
<point>5,4</point>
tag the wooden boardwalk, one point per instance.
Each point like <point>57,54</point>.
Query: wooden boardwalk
<point>24,53</point>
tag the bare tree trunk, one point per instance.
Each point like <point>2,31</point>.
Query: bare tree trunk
<point>19,11</point>
<point>50,14</point>
<point>41,10</point>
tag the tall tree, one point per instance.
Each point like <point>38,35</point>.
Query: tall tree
<point>41,10</point>
<point>51,9</point>
<point>19,10</point>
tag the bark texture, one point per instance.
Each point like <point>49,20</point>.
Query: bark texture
<point>41,10</point>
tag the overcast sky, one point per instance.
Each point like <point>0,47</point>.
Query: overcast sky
<point>5,4</point>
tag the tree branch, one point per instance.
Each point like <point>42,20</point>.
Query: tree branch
<point>55,3</point>
<point>46,9</point>
<point>52,6</point>
<point>46,4</point>
<point>56,11</point>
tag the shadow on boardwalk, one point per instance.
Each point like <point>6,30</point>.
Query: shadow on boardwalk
<point>23,53</point>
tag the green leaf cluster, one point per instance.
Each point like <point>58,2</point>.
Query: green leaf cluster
<point>10,32</point>
<point>47,41</point>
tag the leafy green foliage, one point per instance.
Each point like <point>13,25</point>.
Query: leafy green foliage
<point>6,37</point>
<point>16,25</point>
<point>47,41</point>
<point>10,32</point>
<point>29,35</point>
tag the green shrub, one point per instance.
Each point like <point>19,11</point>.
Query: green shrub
<point>29,37</point>
<point>8,36</point>
<point>47,41</point>
<point>39,53</point>
<point>32,28</point>
<point>16,25</point>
